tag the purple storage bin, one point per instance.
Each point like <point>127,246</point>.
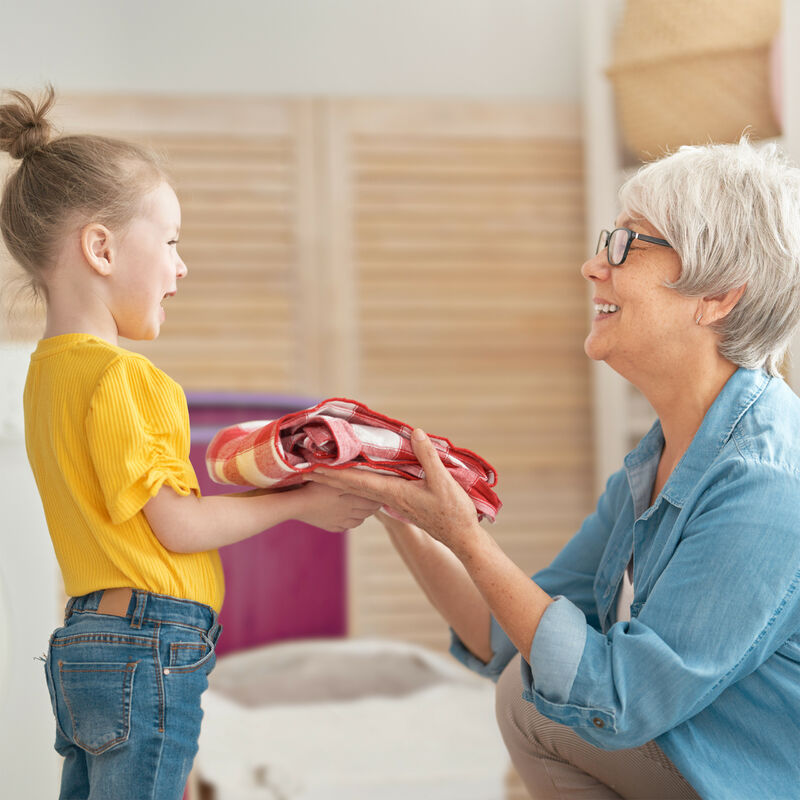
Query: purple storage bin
<point>289,582</point>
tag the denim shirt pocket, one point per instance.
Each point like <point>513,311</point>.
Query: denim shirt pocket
<point>791,648</point>
<point>97,699</point>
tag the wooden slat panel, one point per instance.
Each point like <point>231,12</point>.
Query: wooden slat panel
<point>467,243</point>
<point>243,183</point>
<point>420,256</point>
<point>233,325</point>
<point>21,314</point>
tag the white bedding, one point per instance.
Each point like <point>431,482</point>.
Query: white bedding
<point>438,742</point>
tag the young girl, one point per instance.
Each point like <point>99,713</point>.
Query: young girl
<point>95,224</point>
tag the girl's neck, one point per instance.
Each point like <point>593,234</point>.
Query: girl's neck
<point>63,321</point>
<point>75,303</point>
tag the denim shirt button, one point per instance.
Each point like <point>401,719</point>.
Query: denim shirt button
<point>598,723</point>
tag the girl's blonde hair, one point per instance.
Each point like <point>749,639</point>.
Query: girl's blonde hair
<point>64,182</point>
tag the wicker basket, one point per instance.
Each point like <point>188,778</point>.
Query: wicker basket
<point>693,71</point>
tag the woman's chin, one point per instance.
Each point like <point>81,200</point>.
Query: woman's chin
<point>593,349</point>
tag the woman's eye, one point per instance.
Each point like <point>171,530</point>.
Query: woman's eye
<point>173,241</point>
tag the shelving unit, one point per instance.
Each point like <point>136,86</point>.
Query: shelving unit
<point>790,25</point>
<point>613,397</point>
<point>621,414</point>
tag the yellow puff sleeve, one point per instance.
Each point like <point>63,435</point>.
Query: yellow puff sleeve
<point>138,433</point>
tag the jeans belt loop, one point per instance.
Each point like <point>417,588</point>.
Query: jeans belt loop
<point>138,612</point>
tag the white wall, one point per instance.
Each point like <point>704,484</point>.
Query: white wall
<point>30,596</point>
<point>477,48</point>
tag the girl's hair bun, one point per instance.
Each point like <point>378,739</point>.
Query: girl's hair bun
<point>23,125</point>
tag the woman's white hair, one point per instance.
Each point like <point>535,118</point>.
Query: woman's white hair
<point>732,213</point>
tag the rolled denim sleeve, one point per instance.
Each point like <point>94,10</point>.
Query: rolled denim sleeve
<point>503,650</point>
<point>556,651</point>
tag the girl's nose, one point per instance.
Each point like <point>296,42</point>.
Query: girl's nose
<point>182,268</point>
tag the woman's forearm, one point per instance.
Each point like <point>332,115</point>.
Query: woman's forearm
<point>514,600</point>
<point>445,582</point>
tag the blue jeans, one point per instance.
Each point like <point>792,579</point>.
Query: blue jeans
<point>126,695</point>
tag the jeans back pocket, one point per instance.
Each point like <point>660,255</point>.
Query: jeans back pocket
<point>98,698</point>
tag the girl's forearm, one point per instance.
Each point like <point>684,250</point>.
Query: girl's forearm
<point>191,524</point>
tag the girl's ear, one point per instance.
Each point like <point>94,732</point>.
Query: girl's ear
<point>713,309</point>
<point>96,247</point>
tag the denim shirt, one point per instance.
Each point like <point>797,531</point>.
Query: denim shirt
<point>709,663</point>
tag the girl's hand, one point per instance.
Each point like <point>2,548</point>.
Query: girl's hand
<point>333,509</point>
<point>392,524</point>
<point>437,503</point>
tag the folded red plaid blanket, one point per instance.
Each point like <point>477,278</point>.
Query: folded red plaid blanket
<point>338,433</point>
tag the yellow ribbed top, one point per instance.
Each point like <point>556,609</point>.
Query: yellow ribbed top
<point>104,430</point>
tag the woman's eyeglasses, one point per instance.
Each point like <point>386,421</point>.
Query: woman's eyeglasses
<point>617,243</point>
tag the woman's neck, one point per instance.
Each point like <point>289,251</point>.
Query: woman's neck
<point>682,399</point>
<point>682,404</point>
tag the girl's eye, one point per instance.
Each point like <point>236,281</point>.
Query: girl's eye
<point>173,241</point>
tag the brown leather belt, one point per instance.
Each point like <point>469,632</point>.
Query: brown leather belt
<point>115,602</point>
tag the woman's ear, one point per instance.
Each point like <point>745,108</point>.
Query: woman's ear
<point>713,309</point>
<point>96,242</point>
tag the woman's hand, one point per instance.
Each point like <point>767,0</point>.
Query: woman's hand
<point>333,509</point>
<point>436,503</point>
<point>467,578</point>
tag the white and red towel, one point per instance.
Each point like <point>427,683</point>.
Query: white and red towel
<point>338,433</point>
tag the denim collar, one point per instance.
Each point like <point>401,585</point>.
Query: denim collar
<point>743,388</point>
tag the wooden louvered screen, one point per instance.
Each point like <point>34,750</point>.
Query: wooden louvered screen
<point>235,317</point>
<point>467,237</point>
<point>420,256</point>
<point>21,312</point>
<point>241,171</point>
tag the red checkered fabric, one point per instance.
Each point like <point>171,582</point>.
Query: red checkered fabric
<point>338,433</point>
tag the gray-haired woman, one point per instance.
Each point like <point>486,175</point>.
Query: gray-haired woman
<point>659,654</point>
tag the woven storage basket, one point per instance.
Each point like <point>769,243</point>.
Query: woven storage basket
<point>693,71</point>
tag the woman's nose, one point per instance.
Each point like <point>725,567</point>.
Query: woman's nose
<point>596,268</point>
<point>182,268</point>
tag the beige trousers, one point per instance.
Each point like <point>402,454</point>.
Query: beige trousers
<point>556,764</point>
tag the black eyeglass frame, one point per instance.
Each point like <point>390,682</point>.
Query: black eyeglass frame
<point>605,238</point>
